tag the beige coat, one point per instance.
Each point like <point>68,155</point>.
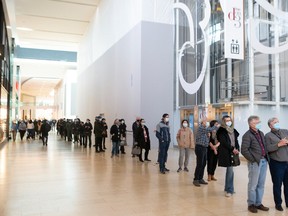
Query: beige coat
<point>185,138</point>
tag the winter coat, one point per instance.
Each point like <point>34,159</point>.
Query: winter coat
<point>226,149</point>
<point>115,133</point>
<point>185,138</point>
<point>141,139</point>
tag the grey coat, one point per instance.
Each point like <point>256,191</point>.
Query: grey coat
<point>251,148</point>
<point>275,152</point>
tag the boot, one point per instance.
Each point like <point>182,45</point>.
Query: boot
<point>209,177</point>
<point>213,178</point>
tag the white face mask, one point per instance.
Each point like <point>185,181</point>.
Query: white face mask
<point>166,119</point>
<point>142,123</point>
<point>229,123</point>
<point>185,124</point>
<point>207,124</point>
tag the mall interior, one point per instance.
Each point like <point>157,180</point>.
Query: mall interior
<point>127,59</point>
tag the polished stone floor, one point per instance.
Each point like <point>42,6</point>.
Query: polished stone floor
<point>66,180</point>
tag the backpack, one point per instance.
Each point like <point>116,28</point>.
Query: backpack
<point>47,127</point>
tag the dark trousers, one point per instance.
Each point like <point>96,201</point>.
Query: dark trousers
<point>22,133</point>
<point>211,162</point>
<point>103,142</point>
<point>98,144</point>
<point>88,138</point>
<point>201,155</point>
<point>163,154</point>
<point>279,175</point>
<point>45,140</point>
<point>145,154</point>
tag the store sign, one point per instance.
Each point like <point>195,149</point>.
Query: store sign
<point>234,29</point>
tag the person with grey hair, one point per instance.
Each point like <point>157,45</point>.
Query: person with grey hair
<point>277,147</point>
<point>254,149</point>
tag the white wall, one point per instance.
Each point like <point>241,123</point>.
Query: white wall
<point>114,19</point>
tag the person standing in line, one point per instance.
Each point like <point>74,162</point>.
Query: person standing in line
<point>277,146</point>
<point>212,153</point>
<point>123,131</point>
<point>45,128</point>
<point>22,129</point>
<point>163,135</point>
<point>135,127</point>
<point>115,137</point>
<point>227,135</point>
<point>254,149</point>
<point>143,140</point>
<point>14,129</point>
<point>88,132</point>
<point>82,133</point>
<point>202,142</point>
<point>185,140</point>
<point>98,130</point>
<point>104,132</point>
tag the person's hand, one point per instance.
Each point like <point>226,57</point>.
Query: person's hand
<point>282,142</point>
<point>235,151</point>
<point>215,151</point>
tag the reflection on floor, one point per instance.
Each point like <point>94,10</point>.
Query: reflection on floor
<point>66,179</point>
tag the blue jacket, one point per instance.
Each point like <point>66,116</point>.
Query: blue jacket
<point>163,132</point>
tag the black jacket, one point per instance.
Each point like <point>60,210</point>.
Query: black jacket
<point>141,139</point>
<point>225,149</point>
<point>115,133</point>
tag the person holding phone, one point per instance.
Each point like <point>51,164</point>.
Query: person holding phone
<point>277,147</point>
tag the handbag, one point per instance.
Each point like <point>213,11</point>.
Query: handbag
<point>136,150</point>
<point>123,143</point>
<point>235,160</point>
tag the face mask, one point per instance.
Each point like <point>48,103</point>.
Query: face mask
<point>166,119</point>
<point>123,122</point>
<point>258,126</point>
<point>207,124</point>
<point>229,123</point>
<point>142,123</point>
<point>185,124</point>
<point>276,126</point>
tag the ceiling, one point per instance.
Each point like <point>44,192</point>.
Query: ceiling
<point>51,25</point>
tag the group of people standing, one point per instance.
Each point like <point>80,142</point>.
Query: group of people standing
<point>218,143</point>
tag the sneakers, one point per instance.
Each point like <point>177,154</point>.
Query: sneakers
<point>252,208</point>
<point>203,182</point>
<point>186,169</point>
<point>179,169</point>
<point>262,208</point>
<point>228,194</point>
<point>196,183</point>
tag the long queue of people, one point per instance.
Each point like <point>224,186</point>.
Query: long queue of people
<point>215,144</point>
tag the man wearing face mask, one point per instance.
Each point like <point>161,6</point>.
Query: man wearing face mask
<point>202,142</point>
<point>163,135</point>
<point>277,147</point>
<point>227,135</point>
<point>254,149</point>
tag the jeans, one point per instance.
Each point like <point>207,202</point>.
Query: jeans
<point>229,180</point>
<point>183,151</point>
<point>115,147</point>
<point>201,154</point>
<point>163,154</point>
<point>256,176</point>
<point>279,175</point>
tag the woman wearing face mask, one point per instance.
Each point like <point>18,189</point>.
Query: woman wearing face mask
<point>115,137</point>
<point>143,140</point>
<point>185,140</point>
<point>227,135</point>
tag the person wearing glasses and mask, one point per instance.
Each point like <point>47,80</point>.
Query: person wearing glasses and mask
<point>276,141</point>
<point>254,149</point>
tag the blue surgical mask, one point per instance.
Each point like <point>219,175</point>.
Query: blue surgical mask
<point>276,126</point>
<point>258,126</point>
